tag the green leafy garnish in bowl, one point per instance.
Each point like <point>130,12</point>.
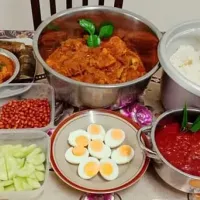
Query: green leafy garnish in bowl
<point>94,40</point>
<point>186,126</point>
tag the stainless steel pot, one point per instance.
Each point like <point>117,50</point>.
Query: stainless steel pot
<point>94,95</point>
<point>177,90</point>
<point>171,175</point>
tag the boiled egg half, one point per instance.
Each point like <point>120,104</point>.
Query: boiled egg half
<point>88,168</point>
<point>108,169</point>
<point>114,137</point>
<point>96,132</point>
<point>123,154</point>
<point>77,154</point>
<point>79,138</point>
<point>98,149</point>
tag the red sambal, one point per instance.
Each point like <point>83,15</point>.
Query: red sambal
<point>182,150</point>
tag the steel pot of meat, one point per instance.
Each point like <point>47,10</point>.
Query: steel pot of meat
<point>176,153</point>
<point>110,75</point>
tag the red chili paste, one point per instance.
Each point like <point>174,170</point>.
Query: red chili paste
<point>182,150</point>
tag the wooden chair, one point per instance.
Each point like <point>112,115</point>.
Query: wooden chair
<point>35,6</point>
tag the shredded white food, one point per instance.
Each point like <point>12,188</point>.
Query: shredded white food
<point>187,61</point>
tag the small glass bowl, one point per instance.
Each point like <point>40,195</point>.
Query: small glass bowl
<point>112,196</point>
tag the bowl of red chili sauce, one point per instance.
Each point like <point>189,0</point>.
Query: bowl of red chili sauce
<point>176,153</point>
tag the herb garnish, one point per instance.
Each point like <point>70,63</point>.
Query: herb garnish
<point>94,40</point>
<point>185,126</point>
<point>53,27</point>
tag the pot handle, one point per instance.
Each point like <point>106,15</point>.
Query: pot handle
<point>150,153</point>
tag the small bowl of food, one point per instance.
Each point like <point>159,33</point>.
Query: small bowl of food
<point>175,148</point>
<point>9,67</point>
<point>96,151</point>
<point>24,163</point>
<point>179,52</point>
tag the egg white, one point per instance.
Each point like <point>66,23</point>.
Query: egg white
<point>104,153</point>
<point>71,158</point>
<point>82,164</point>
<point>115,172</point>
<point>119,159</point>
<point>73,135</point>
<point>110,141</point>
<point>99,136</point>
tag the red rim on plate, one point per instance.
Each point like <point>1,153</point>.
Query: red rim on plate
<point>78,187</point>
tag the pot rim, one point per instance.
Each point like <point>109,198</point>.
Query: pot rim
<point>84,8</point>
<point>156,148</point>
<point>165,62</point>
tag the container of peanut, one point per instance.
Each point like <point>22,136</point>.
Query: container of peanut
<point>27,106</point>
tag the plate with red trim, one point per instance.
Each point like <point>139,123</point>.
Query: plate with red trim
<point>129,173</point>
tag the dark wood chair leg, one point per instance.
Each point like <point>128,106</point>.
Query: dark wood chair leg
<point>69,4</point>
<point>118,3</point>
<point>52,6</point>
<point>85,2</point>
<point>101,2</point>
<point>35,7</point>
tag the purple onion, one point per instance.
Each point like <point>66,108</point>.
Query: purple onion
<point>139,113</point>
<point>50,131</point>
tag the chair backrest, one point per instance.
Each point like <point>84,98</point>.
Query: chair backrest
<point>36,12</point>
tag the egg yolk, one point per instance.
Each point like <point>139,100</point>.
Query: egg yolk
<point>94,129</point>
<point>78,150</point>
<point>117,134</point>
<point>125,150</point>
<point>96,145</point>
<point>106,168</point>
<point>91,169</point>
<point>82,141</point>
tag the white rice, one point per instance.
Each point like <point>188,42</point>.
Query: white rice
<point>187,61</point>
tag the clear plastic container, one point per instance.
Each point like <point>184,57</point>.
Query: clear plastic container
<point>20,91</point>
<point>24,137</point>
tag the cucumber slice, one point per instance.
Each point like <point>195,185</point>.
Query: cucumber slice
<point>40,167</point>
<point>11,165</point>
<point>9,188</point>
<point>39,175</point>
<point>30,149</point>
<point>3,172</point>
<point>26,186</point>
<point>6,183</point>
<point>20,162</point>
<point>33,153</point>
<point>18,183</point>
<point>20,153</point>
<point>38,159</point>
<point>32,176</point>
<point>1,188</point>
<point>34,183</point>
<point>26,171</point>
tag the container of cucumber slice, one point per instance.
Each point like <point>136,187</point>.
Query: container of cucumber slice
<point>24,164</point>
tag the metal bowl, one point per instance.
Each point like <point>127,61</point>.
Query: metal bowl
<point>94,95</point>
<point>170,174</point>
<point>16,65</point>
<point>174,84</point>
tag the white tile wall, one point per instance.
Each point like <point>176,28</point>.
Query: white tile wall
<point>16,14</point>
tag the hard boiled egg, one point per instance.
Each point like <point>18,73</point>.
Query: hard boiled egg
<point>123,154</point>
<point>79,138</point>
<point>96,132</point>
<point>98,149</point>
<point>108,169</point>
<point>76,154</point>
<point>88,168</point>
<point>114,137</point>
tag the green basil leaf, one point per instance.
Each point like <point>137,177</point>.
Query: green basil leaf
<point>185,118</point>
<point>93,41</point>
<point>87,25</point>
<point>106,31</point>
<point>2,65</point>
<point>53,27</point>
<point>196,125</point>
